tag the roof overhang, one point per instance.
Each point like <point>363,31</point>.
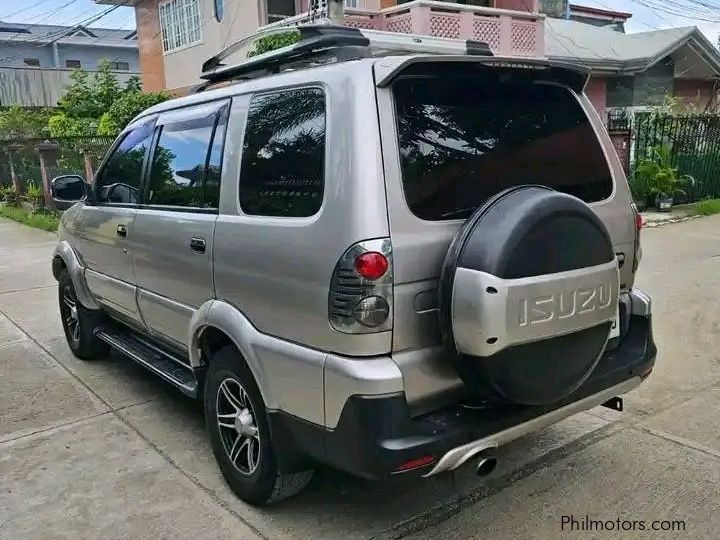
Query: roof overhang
<point>599,14</point>
<point>695,40</point>
<point>74,40</point>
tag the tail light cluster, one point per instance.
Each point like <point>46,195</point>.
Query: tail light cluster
<point>638,227</point>
<point>361,294</point>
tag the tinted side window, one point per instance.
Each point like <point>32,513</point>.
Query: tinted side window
<point>283,161</point>
<point>119,180</point>
<point>179,163</point>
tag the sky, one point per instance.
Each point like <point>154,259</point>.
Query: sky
<point>64,12</point>
<point>644,18</point>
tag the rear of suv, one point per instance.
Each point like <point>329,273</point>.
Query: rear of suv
<point>378,259</point>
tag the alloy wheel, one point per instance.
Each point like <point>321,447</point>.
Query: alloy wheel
<point>70,313</point>
<point>238,428</point>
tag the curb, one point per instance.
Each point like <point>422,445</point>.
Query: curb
<point>660,223</point>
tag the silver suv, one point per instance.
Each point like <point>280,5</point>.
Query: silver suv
<point>382,255</point>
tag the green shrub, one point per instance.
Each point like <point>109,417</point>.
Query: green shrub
<point>47,221</point>
<point>639,187</point>
<point>708,207</point>
<point>275,41</point>
<point>34,193</point>
<point>657,173</point>
<point>7,194</point>
<point>127,107</point>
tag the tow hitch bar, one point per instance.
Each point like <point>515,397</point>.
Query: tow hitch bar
<point>616,404</point>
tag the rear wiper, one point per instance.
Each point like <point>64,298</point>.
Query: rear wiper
<point>460,212</point>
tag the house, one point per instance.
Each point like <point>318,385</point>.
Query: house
<point>615,20</point>
<point>36,60</point>
<point>638,70</point>
<point>628,70</point>
<point>177,36</point>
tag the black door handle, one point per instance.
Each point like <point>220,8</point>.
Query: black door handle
<point>197,245</point>
<point>122,230</point>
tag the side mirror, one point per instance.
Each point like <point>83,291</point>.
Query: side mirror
<point>68,189</point>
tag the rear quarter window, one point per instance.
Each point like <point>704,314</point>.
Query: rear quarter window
<point>464,139</point>
<point>283,161</point>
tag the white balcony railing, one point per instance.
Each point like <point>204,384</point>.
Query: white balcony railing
<point>507,32</point>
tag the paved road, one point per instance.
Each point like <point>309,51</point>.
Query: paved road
<point>101,449</point>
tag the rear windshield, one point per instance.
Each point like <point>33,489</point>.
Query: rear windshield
<point>464,139</point>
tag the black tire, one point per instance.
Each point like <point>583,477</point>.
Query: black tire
<point>79,324</point>
<point>262,484</point>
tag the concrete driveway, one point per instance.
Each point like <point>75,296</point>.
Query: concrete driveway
<point>103,450</point>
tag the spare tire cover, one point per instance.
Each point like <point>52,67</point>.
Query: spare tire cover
<point>528,292</point>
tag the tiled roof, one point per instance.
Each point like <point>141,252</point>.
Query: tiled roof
<point>45,32</point>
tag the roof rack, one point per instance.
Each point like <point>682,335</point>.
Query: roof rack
<point>325,43</point>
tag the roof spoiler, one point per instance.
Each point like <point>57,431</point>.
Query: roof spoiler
<point>570,75</point>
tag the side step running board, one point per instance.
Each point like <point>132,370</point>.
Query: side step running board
<point>163,364</point>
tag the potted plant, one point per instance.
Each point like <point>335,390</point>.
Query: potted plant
<point>660,178</point>
<point>34,196</point>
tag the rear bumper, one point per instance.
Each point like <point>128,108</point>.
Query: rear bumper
<point>376,435</point>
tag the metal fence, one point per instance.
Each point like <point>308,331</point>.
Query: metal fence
<point>20,158</point>
<point>694,141</point>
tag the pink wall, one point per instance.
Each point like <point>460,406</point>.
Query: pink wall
<point>697,92</point>
<point>517,5</point>
<point>597,94</point>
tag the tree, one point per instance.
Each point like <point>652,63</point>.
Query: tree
<point>19,123</point>
<point>127,107</point>
<point>99,105</point>
<point>90,96</point>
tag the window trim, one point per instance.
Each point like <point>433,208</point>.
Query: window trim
<point>163,34</point>
<point>147,121</point>
<point>277,90</point>
<point>114,65</point>
<point>79,66</point>
<point>222,113</point>
<point>277,16</point>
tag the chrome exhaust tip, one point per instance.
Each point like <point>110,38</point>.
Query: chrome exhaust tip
<point>486,465</point>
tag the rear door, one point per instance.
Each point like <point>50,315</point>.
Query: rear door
<point>174,228</point>
<point>106,228</point>
<point>456,133</point>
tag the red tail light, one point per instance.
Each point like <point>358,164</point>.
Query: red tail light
<point>360,299</point>
<point>371,265</point>
<point>639,221</point>
<point>415,464</point>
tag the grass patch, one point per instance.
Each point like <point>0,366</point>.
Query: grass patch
<point>708,207</point>
<point>39,219</point>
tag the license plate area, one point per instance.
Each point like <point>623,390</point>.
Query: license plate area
<point>615,328</point>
